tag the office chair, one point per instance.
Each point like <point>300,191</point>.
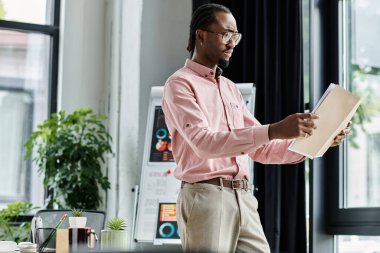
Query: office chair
<point>51,217</point>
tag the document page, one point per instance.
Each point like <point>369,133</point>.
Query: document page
<point>335,109</point>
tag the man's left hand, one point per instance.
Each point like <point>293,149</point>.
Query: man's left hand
<point>342,135</point>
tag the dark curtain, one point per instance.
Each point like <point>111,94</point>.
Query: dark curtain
<point>270,55</point>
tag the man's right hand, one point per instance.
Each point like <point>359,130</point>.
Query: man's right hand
<point>293,126</point>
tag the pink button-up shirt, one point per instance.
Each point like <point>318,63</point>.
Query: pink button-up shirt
<point>213,133</point>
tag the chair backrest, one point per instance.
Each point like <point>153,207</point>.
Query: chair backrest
<point>50,218</point>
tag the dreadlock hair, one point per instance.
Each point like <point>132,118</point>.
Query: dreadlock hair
<point>202,17</point>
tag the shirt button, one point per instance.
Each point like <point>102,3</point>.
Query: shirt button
<point>242,153</point>
<point>211,73</point>
<point>187,125</point>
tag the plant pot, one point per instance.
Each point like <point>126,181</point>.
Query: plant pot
<point>114,240</point>
<point>77,222</point>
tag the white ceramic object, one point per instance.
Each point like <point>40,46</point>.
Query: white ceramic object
<point>77,222</point>
<point>7,246</point>
<point>114,240</point>
<point>27,247</point>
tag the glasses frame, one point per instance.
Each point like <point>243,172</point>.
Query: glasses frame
<point>230,38</point>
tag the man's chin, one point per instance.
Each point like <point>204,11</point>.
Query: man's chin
<point>223,63</point>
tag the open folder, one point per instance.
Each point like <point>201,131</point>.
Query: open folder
<point>335,109</point>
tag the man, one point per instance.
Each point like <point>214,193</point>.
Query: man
<point>213,134</point>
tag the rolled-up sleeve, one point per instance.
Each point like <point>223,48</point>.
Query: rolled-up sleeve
<point>271,152</point>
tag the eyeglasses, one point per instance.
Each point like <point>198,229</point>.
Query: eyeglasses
<point>228,36</point>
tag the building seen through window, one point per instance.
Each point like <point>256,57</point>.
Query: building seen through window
<point>26,65</point>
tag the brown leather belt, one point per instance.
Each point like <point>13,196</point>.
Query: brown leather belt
<point>229,183</point>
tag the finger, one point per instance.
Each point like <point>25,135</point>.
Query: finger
<point>339,137</point>
<point>309,124</point>
<point>308,116</point>
<point>308,120</point>
<point>314,116</point>
<point>337,141</point>
<point>306,131</point>
<point>302,133</point>
<point>345,131</point>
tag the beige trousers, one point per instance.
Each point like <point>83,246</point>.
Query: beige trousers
<point>217,219</point>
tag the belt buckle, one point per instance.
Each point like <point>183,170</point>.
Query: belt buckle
<point>233,184</point>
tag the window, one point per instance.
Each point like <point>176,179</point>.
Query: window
<point>354,209</point>
<point>27,11</point>
<point>360,70</point>
<point>28,84</point>
<point>345,182</point>
<point>357,244</point>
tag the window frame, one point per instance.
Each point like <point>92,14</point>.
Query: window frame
<point>357,220</point>
<point>327,219</point>
<point>51,30</point>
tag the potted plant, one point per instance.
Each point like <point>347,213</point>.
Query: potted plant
<point>77,220</point>
<point>10,229</point>
<point>115,237</point>
<point>70,154</point>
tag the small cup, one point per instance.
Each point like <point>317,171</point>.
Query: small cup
<point>81,239</point>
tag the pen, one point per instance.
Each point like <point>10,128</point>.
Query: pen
<point>51,235</point>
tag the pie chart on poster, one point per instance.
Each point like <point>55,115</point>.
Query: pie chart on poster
<point>167,230</point>
<point>161,145</point>
<point>161,133</point>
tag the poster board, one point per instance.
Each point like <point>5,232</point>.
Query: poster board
<point>157,181</point>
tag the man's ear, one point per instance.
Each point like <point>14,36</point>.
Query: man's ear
<point>199,35</point>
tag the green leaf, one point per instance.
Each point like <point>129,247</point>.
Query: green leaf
<point>8,215</point>
<point>116,224</point>
<point>70,150</point>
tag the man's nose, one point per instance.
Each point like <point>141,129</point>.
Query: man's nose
<point>231,43</point>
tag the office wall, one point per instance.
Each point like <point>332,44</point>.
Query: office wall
<point>82,81</point>
<point>164,35</point>
<point>111,53</point>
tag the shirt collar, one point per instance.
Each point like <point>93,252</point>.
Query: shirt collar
<point>203,70</point>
